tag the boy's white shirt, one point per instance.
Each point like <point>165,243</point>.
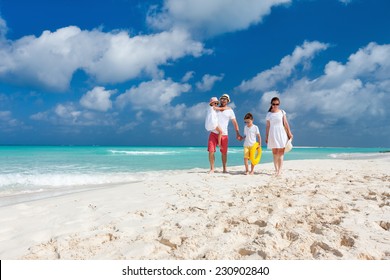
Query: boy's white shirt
<point>250,135</point>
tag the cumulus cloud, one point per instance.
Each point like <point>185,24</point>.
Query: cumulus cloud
<point>188,76</point>
<point>269,78</point>
<point>358,90</point>
<point>208,82</point>
<point>51,59</point>
<point>209,18</point>
<point>159,97</point>
<point>97,99</point>
<point>71,114</point>
<point>346,2</point>
<point>8,122</point>
<point>3,29</point>
<point>154,95</point>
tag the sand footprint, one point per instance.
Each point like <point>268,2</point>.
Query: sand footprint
<point>318,248</point>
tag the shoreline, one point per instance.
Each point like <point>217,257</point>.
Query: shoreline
<point>317,209</point>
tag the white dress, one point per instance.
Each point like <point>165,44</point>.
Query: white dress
<point>211,121</point>
<point>277,137</point>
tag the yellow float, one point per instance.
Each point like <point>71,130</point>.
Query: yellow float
<point>253,156</point>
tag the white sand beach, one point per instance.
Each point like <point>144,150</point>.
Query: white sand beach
<point>317,209</point>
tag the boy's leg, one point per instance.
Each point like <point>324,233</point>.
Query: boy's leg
<point>246,156</point>
<point>252,169</point>
<point>246,166</point>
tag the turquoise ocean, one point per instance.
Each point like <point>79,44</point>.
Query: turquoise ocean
<point>33,172</point>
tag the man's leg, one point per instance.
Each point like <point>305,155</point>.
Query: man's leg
<point>212,161</point>
<point>224,150</point>
<point>224,162</point>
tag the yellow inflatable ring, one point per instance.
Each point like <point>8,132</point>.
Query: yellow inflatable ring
<point>255,158</point>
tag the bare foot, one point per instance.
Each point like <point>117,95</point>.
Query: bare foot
<point>211,171</point>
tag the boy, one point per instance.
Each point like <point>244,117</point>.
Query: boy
<point>251,131</point>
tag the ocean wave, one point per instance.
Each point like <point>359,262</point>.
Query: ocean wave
<point>356,155</point>
<point>142,153</point>
<point>21,182</point>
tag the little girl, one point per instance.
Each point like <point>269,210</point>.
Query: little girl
<point>211,122</point>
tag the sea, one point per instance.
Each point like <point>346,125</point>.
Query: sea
<point>36,172</point>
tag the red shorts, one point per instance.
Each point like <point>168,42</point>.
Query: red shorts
<point>213,141</point>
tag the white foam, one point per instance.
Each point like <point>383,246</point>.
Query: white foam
<point>356,155</point>
<point>28,183</point>
<point>136,153</point>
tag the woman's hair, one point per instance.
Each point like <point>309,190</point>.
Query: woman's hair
<point>248,116</point>
<point>272,101</point>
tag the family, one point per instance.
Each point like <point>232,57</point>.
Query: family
<point>278,132</point>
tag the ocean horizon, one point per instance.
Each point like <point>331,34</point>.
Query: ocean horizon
<point>34,172</point>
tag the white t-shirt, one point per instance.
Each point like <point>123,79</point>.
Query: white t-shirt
<point>223,120</point>
<point>250,135</point>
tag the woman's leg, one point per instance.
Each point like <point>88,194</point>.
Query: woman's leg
<point>275,155</point>
<point>280,160</point>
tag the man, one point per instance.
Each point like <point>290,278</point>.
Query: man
<point>224,116</point>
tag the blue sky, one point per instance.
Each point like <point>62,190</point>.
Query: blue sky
<point>132,72</point>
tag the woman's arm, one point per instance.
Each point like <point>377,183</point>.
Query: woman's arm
<point>267,131</point>
<point>287,126</point>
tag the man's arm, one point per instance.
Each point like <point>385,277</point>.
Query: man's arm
<point>235,124</point>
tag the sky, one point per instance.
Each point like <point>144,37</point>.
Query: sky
<point>133,72</point>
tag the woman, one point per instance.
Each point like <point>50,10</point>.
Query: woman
<point>277,133</point>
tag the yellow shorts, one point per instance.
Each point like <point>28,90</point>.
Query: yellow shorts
<point>246,151</point>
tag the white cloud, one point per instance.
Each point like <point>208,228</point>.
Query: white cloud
<point>357,91</point>
<point>188,76</point>
<point>197,112</point>
<point>97,99</point>
<point>5,115</point>
<point>3,29</point>
<point>70,114</point>
<point>51,59</point>
<point>209,18</point>
<point>8,122</point>
<point>346,2</point>
<point>208,82</point>
<point>155,96</point>
<point>158,96</point>
<point>129,57</point>
<point>269,78</point>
